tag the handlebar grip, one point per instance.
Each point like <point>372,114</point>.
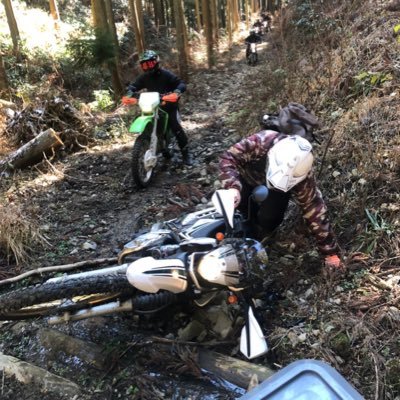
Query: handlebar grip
<point>129,100</point>
<point>170,97</point>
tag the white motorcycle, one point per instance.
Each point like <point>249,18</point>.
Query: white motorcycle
<point>193,258</point>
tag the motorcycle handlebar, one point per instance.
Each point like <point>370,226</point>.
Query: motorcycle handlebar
<point>129,100</point>
<point>166,98</point>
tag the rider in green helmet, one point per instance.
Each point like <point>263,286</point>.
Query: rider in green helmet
<point>157,79</point>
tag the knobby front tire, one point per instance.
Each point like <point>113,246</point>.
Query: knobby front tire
<point>52,298</point>
<point>141,177</point>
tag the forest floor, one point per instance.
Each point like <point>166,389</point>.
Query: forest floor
<point>88,208</point>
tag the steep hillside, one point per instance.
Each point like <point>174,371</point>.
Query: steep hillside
<point>342,60</point>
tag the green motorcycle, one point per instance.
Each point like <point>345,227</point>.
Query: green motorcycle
<point>153,134</point>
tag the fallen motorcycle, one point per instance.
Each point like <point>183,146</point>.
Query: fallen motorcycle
<point>153,134</point>
<point>189,259</point>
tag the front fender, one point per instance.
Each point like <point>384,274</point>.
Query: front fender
<point>140,123</point>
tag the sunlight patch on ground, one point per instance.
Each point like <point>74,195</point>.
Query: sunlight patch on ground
<point>36,28</point>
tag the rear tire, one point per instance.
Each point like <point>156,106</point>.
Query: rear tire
<point>141,176</point>
<point>51,298</point>
<point>253,59</point>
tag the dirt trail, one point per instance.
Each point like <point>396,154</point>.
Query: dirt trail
<point>89,207</point>
<point>89,196</point>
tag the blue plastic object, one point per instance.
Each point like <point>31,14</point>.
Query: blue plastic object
<point>304,380</point>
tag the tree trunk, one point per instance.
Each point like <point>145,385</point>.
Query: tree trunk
<point>247,12</point>
<point>4,87</point>
<point>229,21</point>
<point>111,25</point>
<point>99,17</point>
<point>214,19</point>
<point>114,66</point>
<point>32,152</point>
<point>54,13</point>
<point>198,15</point>
<point>139,10</point>
<point>180,39</point>
<point>103,22</point>
<point>205,6</point>
<point>12,24</point>
<point>29,374</point>
<point>136,26</point>
<point>232,369</point>
<point>158,17</point>
<point>236,15</point>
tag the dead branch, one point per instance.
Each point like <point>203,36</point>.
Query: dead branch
<point>58,268</point>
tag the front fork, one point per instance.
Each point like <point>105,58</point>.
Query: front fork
<point>150,159</point>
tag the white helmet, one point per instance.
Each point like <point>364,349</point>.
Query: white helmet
<point>290,161</point>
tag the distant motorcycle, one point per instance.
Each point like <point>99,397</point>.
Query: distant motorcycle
<point>252,55</point>
<point>265,27</point>
<point>153,134</point>
<point>189,259</point>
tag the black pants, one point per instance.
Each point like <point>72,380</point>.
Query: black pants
<point>268,215</point>
<point>176,128</point>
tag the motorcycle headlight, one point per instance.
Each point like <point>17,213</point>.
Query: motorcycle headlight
<point>220,266</point>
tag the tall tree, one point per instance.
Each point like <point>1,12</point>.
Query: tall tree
<point>205,6</point>
<point>214,19</point>
<point>229,20</point>
<point>158,13</point>
<point>111,25</point>
<point>199,25</point>
<point>54,13</point>
<point>137,24</point>
<point>181,39</point>
<point>3,76</point>
<point>12,24</point>
<point>236,14</point>
<point>104,39</point>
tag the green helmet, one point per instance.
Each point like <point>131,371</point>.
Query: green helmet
<point>149,61</point>
<point>148,55</point>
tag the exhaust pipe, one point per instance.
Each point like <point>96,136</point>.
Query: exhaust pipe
<point>104,309</point>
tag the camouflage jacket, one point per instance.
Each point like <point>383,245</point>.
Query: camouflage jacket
<point>247,161</point>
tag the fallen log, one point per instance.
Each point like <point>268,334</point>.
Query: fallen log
<point>32,152</point>
<point>57,343</point>
<point>27,373</point>
<point>236,371</point>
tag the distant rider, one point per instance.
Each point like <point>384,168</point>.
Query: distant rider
<point>157,79</point>
<point>284,164</point>
<point>252,38</point>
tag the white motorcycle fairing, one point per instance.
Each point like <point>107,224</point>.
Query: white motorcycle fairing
<point>151,275</point>
<point>224,201</point>
<point>252,340</point>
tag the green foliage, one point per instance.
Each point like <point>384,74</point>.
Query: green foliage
<point>377,230</point>
<point>366,82</point>
<point>354,280</point>
<point>309,21</point>
<point>90,48</point>
<point>103,100</point>
<point>396,31</point>
<point>379,224</point>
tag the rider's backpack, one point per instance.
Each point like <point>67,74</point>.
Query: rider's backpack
<point>294,119</point>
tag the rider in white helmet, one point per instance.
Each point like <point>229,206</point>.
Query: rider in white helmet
<point>284,164</point>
